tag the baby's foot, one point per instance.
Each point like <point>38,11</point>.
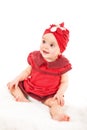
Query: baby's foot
<point>61,117</point>
<point>58,114</point>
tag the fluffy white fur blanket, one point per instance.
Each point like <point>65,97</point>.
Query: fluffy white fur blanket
<point>35,116</point>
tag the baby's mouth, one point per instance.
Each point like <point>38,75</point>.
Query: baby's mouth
<point>45,52</point>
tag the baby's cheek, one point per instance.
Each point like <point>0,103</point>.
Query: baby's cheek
<point>54,53</point>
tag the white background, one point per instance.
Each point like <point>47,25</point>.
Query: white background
<point>22,23</point>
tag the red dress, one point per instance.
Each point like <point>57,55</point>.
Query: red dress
<point>45,76</point>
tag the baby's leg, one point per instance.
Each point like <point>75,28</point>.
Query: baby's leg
<point>56,110</point>
<point>18,94</point>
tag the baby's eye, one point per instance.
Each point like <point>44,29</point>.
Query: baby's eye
<point>43,41</point>
<point>52,45</point>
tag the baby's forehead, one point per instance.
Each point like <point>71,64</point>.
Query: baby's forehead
<point>50,37</point>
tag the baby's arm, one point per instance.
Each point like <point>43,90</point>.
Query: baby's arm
<point>62,88</point>
<point>64,84</point>
<point>24,74</point>
<point>20,77</point>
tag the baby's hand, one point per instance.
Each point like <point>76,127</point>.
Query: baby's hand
<point>59,98</point>
<point>12,84</point>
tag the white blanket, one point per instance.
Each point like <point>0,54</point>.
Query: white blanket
<point>35,116</point>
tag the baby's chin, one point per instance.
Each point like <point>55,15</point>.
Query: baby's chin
<point>47,57</point>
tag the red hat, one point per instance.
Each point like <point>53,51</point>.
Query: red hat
<point>61,34</point>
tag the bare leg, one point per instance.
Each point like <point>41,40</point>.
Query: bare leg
<point>56,110</point>
<point>18,94</point>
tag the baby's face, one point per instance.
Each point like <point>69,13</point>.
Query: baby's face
<point>49,47</point>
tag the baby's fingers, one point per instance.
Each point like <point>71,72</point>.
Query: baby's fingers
<point>8,85</point>
<point>62,101</point>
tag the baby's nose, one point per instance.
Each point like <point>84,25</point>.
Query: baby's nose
<point>46,46</point>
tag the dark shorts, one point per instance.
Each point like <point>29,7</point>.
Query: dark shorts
<point>42,99</point>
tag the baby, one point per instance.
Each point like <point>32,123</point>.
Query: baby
<point>46,77</point>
